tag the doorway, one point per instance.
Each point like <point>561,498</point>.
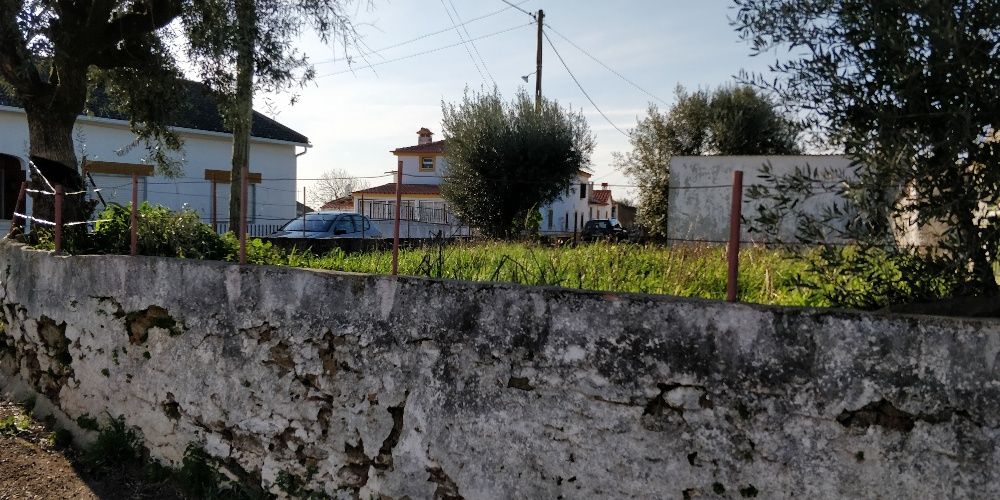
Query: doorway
<point>11,177</point>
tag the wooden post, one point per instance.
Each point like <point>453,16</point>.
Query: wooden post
<point>733,253</point>
<point>17,208</point>
<point>134,221</point>
<point>59,217</point>
<point>363,221</point>
<point>243,215</point>
<point>215,208</point>
<point>395,229</point>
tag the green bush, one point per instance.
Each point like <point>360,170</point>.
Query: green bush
<point>116,445</point>
<point>161,232</point>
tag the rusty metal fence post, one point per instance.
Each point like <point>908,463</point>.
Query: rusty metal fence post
<point>395,230</point>
<point>59,217</point>
<point>733,252</point>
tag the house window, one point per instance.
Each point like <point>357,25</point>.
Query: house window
<point>426,163</point>
<point>550,219</point>
<point>591,213</point>
<point>583,191</point>
<point>221,179</point>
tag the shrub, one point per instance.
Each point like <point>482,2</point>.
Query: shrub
<point>116,445</point>
<point>161,232</point>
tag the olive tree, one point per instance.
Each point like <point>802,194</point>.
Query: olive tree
<point>908,90</point>
<point>507,159</point>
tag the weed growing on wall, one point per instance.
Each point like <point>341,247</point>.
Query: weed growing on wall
<point>117,445</point>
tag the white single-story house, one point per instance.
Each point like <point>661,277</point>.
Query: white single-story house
<point>424,209</point>
<point>108,164</point>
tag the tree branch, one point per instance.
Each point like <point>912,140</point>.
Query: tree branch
<point>158,13</point>
<point>16,63</point>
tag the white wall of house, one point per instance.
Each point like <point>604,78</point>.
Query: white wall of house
<point>271,202</point>
<point>414,174</point>
<point>702,213</point>
<point>558,217</point>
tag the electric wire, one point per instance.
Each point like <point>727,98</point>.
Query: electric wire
<point>423,53</point>
<point>575,80</point>
<point>421,37</point>
<point>516,6</point>
<point>464,44</point>
<point>609,68</point>
<point>471,42</point>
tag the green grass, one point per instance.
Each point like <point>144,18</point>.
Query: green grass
<point>688,271</point>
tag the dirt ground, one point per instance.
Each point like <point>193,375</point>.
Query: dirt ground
<point>32,466</point>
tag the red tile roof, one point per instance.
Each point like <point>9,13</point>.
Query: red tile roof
<point>342,203</point>
<point>600,196</point>
<point>390,188</point>
<point>431,147</point>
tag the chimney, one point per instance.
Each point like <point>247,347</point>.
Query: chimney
<point>604,186</point>
<point>424,136</point>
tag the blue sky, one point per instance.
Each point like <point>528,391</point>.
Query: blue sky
<point>355,118</point>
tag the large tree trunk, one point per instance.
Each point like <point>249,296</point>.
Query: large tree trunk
<point>50,139</point>
<point>242,112</point>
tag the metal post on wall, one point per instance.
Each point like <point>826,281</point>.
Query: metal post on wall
<point>733,252</point>
<point>303,211</point>
<point>59,217</point>
<point>134,219</point>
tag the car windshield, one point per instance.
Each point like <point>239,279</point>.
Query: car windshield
<point>314,223</point>
<point>598,224</point>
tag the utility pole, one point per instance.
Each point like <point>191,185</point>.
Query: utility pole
<point>538,70</point>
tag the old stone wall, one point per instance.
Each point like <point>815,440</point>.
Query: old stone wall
<point>363,386</point>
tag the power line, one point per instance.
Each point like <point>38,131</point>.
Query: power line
<point>518,8</point>
<point>423,53</point>
<point>462,39</point>
<point>554,49</point>
<point>421,37</point>
<point>474,47</point>
<point>609,68</point>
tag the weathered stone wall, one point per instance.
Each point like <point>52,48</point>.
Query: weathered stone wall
<point>366,386</point>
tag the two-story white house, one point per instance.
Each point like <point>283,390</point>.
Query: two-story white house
<point>102,141</point>
<point>424,211</point>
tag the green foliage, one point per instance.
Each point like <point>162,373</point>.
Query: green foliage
<point>727,121</point>
<point>87,422</point>
<point>767,277</point>
<point>506,159</point>
<point>117,444</point>
<point>60,439</point>
<point>908,90</point>
<point>872,278</point>
<point>200,478</point>
<point>161,232</point>
<point>14,424</point>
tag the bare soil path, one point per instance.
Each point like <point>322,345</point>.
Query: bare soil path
<point>33,467</point>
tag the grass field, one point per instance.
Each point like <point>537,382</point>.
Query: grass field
<point>689,271</point>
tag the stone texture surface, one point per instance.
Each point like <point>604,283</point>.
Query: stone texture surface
<point>365,386</point>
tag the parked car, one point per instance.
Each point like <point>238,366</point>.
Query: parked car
<point>329,224</point>
<point>603,229</point>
